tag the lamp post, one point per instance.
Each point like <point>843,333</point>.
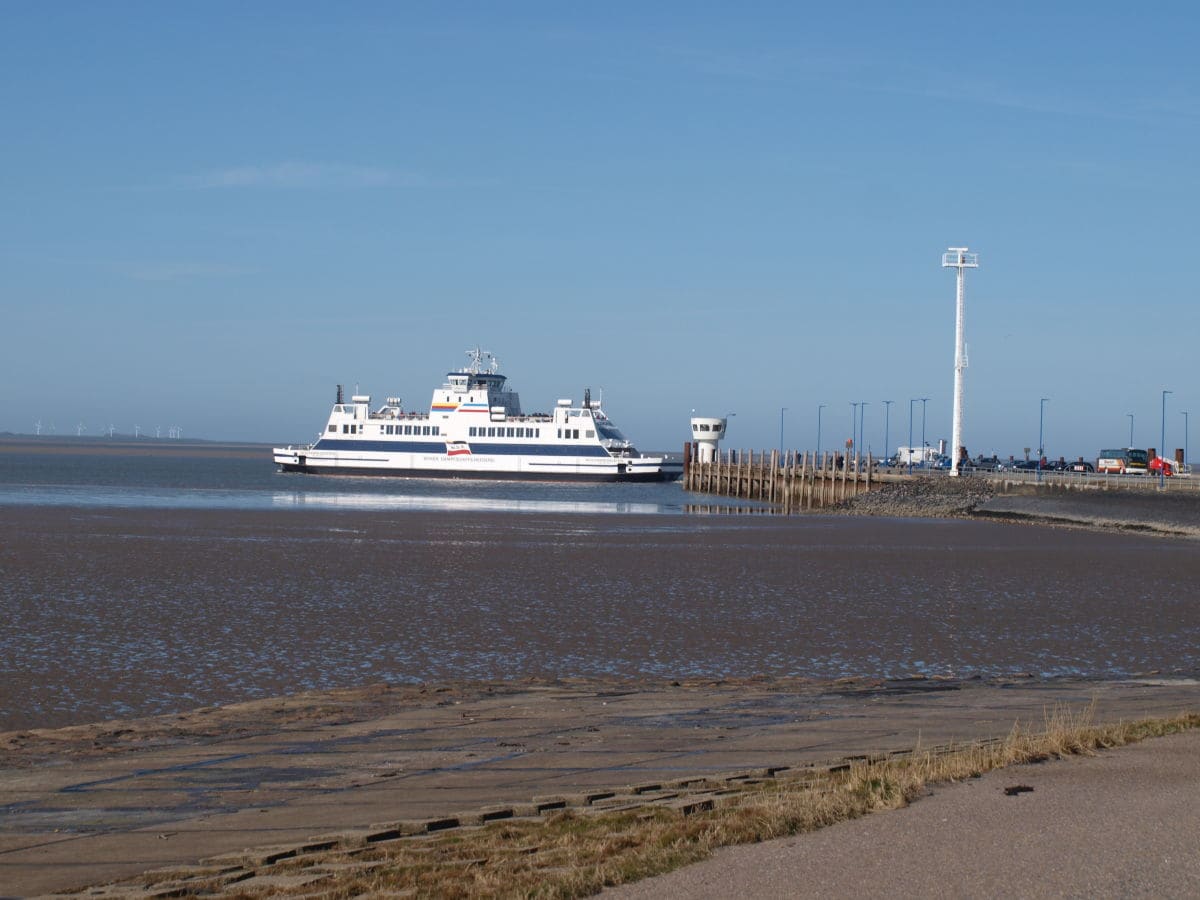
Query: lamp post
<point>958,258</point>
<point>820,406</point>
<point>1185,439</point>
<point>1130,430</point>
<point>924,400</point>
<point>1162,471</point>
<point>853,430</point>
<point>782,410</point>
<point>1041,432</point>
<point>910,410</point>
<point>887,421</point>
<point>862,419</point>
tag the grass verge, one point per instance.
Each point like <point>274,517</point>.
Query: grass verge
<point>574,854</point>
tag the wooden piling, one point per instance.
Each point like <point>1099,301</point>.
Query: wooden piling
<point>791,480</point>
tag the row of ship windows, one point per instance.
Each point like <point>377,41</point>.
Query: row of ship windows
<point>391,429</point>
<point>411,429</point>
<point>497,431</point>
<point>475,431</point>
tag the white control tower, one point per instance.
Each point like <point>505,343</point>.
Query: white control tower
<point>958,258</point>
<point>707,433</point>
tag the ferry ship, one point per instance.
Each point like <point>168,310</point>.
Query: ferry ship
<point>475,429</point>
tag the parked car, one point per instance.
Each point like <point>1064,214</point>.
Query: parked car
<point>1081,466</point>
<point>983,463</point>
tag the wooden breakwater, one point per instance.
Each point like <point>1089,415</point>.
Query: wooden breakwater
<point>793,480</point>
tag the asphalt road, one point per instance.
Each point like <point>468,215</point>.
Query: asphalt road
<point>1125,823</point>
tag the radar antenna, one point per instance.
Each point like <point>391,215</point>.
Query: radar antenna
<point>477,356</point>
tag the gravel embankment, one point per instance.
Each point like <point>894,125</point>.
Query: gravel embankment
<point>935,497</point>
<point>1172,514</point>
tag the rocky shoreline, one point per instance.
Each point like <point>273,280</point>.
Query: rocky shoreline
<point>939,497</point>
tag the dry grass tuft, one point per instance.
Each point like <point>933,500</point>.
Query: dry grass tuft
<point>571,854</point>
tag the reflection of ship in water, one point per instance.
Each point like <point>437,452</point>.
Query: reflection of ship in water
<point>475,428</point>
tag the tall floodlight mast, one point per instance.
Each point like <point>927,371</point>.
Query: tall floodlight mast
<point>958,258</point>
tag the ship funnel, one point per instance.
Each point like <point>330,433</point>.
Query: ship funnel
<point>707,433</point>
<point>340,398</point>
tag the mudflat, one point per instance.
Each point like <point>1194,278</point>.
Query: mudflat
<point>115,613</point>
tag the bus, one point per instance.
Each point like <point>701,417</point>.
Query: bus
<point>1124,461</point>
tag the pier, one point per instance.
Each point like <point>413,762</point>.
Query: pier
<point>793,480</point>
<point>797,481</point>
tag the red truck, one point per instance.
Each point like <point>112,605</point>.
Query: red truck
<point>1160,466</point>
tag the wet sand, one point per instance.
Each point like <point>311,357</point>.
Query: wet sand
<point>130,612</point>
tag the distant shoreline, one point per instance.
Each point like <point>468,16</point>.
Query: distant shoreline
<point>84,445</point>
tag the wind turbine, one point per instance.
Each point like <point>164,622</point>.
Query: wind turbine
<point>137,431</point>
<point>38,426</point>
<point>80,429</point>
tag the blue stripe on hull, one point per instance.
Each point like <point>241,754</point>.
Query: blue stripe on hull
<point>670,475</point>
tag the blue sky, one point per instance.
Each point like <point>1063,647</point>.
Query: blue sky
<point>213,213</point>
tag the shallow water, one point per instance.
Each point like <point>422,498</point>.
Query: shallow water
<point>165,478</point>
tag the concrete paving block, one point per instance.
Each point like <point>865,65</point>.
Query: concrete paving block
<point>644,788</point>
<point>402,827</point>
<point>266,856</point>
<point>485,815</point>
<point>281,882</point>
<point>182,872</point>
<point>316,845</point>
<point>443,823</point>
<point>652,799</point>
<point>545,804</point>
<point>348,840</point>
<point>588,798</point>
<point>691,805</point>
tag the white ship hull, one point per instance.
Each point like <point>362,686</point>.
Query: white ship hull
<point>474,429</point>
<point>427,465</point>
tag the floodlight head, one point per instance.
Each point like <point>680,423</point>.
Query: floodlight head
<point>959,258</point>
